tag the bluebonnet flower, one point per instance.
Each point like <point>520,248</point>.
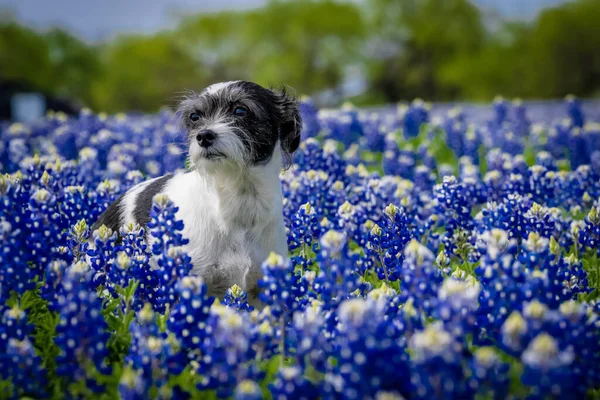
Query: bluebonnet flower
<point>371,351</point>
<point>547,368</point>
<point>43,223</point>
<point>278,277</point>
<point>374,133</point>
<point>16,274</point>
<point>82,333</point>
<point>228,352</point>
<point>343,125</point>
<point>89,165</point>
<point>237,298</point>
<point>595,162</point>
<point>458,301</point>
<point>310,121</point>
<point>508,216</point>
<point>152,357</point>
<point>102,258</point>
<point>575,112</point>
<point>453,204</point>
<point>105,194</point>
<point>413,117</point>
<point>312,156</point>
<point>75,204</point>
<point>264,335</point>
<point>305,337</point>
<point>501,109</point>
<point>386,243</point>
<point>131,386</point>
<point>589,236</point>
<point>362,309</point>
<point>172,261</point>
<point>521,121</point>
<point>542,185</point>
<point>21,367</point>
<point>305,227</point>
<point>52,287</point>
<point>543,221</point>
<point>310,187</point>
<point>189,317</point>
<point>435,366</point>
<point>420,277</point>
<point>247,390</point>
<point>339,270</point>
<point>489,373</point>
<point>291,384</point>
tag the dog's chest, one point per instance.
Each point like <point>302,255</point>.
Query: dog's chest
<point>234,233</point>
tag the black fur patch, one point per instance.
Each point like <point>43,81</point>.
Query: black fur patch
<point>111,217</point>
<point>143,202</point>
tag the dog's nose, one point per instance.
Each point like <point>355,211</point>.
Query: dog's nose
<point>206,138</point>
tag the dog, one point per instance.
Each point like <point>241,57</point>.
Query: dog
<point>241,135</point>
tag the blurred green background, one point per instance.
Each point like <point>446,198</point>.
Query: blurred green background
<point>367,51</point>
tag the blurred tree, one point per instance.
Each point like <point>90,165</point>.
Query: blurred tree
<point>416,40</point>
<point>554,56</point>
<point>144,73</point>
<point>304,44</point>
<point>564,50</point>
<point>24,56</point>
<point>500,67</point>
<point>434,49</point>
<point>74,65</point>
<point>215,43</point>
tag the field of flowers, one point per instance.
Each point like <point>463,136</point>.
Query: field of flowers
<point>430,257</point>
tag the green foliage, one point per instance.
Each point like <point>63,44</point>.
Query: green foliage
<point>437,145</point>
<point>118,319</point>
<point>143,73</point>
<point>552,57</point>
<point>591,263</point>
<point>44,322</point>
<point>427,35</point>
<point>434,49</point>
<point>441,151</point>
<point>74,65</point>
<point>24,56</point>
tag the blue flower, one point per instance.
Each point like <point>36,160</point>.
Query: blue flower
<point>247,390</point>
<point>416,115</point>
<point>291,384</point>
<point>237,298</point>
<point>189,317</point>
<point>167,248</point>
<point>82,333</point>
<point>278,277</point>
<point>436,366</point>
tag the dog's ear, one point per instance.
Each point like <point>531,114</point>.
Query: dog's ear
<point>289,121</point>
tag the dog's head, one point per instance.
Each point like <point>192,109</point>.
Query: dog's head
<point>240,122</point>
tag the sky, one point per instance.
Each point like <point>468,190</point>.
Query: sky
<point>95,20</point>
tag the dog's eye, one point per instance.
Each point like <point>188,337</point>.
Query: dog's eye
<point>194,117</point>
<point>240,111</point>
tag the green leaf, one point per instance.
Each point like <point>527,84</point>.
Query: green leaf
<point>270,368</point>
<point>44,322</point>
<point>529,155</point>
<point>161,320</point>
<point>482,151</point>
<point>440,150</point>
<point>591,264</point>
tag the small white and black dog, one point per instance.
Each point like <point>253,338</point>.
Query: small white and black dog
<point>241,135</point>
